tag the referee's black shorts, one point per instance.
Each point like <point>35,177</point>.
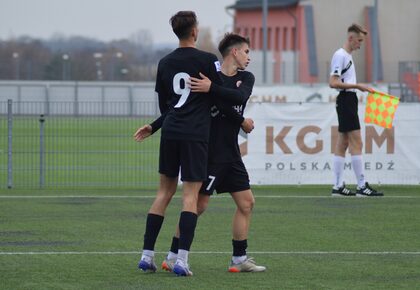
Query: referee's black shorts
<point>225,177</point>
<point>347,111</point>
<point>190,156</point>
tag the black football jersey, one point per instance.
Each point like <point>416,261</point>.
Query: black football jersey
<point>227,119</point>
<point>187,113</point>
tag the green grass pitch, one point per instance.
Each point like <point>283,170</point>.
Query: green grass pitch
<point>90,239</point>
<point>79,152</point>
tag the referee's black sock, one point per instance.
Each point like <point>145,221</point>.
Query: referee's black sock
<point>187,224</point>
<point>239,248</point>
<point>153,225</point>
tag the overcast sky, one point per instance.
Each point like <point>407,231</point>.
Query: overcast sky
<point>107,19</point>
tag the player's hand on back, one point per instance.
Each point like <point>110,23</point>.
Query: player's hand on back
<point>247,125</point>
<point>142,133</point>
<point>200,85</point>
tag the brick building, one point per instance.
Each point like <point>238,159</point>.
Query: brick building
<point>302,35</point>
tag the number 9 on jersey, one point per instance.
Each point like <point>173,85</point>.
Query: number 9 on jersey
<point>183,92</point>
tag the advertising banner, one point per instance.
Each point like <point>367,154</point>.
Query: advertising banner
<point>294,144</point>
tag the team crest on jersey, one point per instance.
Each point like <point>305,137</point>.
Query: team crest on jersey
<point>217,65</point>
<point>214,111</point>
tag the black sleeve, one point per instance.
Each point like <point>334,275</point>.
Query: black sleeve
<point>157,124</point>
<point>163,104</point>
<point>163,97</point>
<point>213,71</point>
<point>235,96</point>
<point>229,112</point>
<point>216,89</point>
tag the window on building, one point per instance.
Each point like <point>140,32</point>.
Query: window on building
<point>285,38</point>
<point>277,39</point>
<point>293,39</point>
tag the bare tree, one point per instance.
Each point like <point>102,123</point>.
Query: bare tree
<point>205,41</point>
<point>73,58</point>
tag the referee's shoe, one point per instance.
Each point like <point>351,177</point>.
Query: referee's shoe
<point>342,191</point>
<point>366,190</point>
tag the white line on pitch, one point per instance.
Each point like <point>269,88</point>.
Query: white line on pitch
<point>153,196</point>
<point>217,253</point>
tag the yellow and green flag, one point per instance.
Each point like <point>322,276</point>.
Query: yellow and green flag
<point>380,109</point>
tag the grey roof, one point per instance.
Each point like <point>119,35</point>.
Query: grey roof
<point>257,4</point>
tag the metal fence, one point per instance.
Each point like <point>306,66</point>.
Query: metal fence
<point>55,145</point>
<point>54,94</point>
<point>77,135</point>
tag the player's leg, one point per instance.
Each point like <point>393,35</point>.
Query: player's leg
<point>339,158</point>
<point>169,262</point>
<point>206,190</point>
<point>169,162</point>
<point>167,188</point>
<point>238,185</point>
<point>339,188</point>
<point>346,107</point>
<point>244,201</point>
<point>187,225</point>
<point>193,173</point>
<point>355,148</point>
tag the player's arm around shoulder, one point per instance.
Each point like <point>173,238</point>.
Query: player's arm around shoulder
<point>248,78</point>
<point>214,67</point>
<point>207,76</point>
<point>247,83</point>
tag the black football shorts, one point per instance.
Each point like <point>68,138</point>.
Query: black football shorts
<point>188,156</point>
<point>347,112</point>
<point>225,177</point>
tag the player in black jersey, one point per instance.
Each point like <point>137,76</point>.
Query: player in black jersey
<point>226,171</point>
<point>184,138</point>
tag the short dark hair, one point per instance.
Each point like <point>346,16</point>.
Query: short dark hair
<point>230,40</point>
<point>357,29</point>
<point>182,23</point>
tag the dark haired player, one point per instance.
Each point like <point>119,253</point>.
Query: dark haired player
<point>184,138</point>
<point>226,171</point>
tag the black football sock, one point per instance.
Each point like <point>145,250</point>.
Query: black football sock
<point>175,245</point>
<point>239,248</point>
<point>187,224</point>
<point>153,225</point>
